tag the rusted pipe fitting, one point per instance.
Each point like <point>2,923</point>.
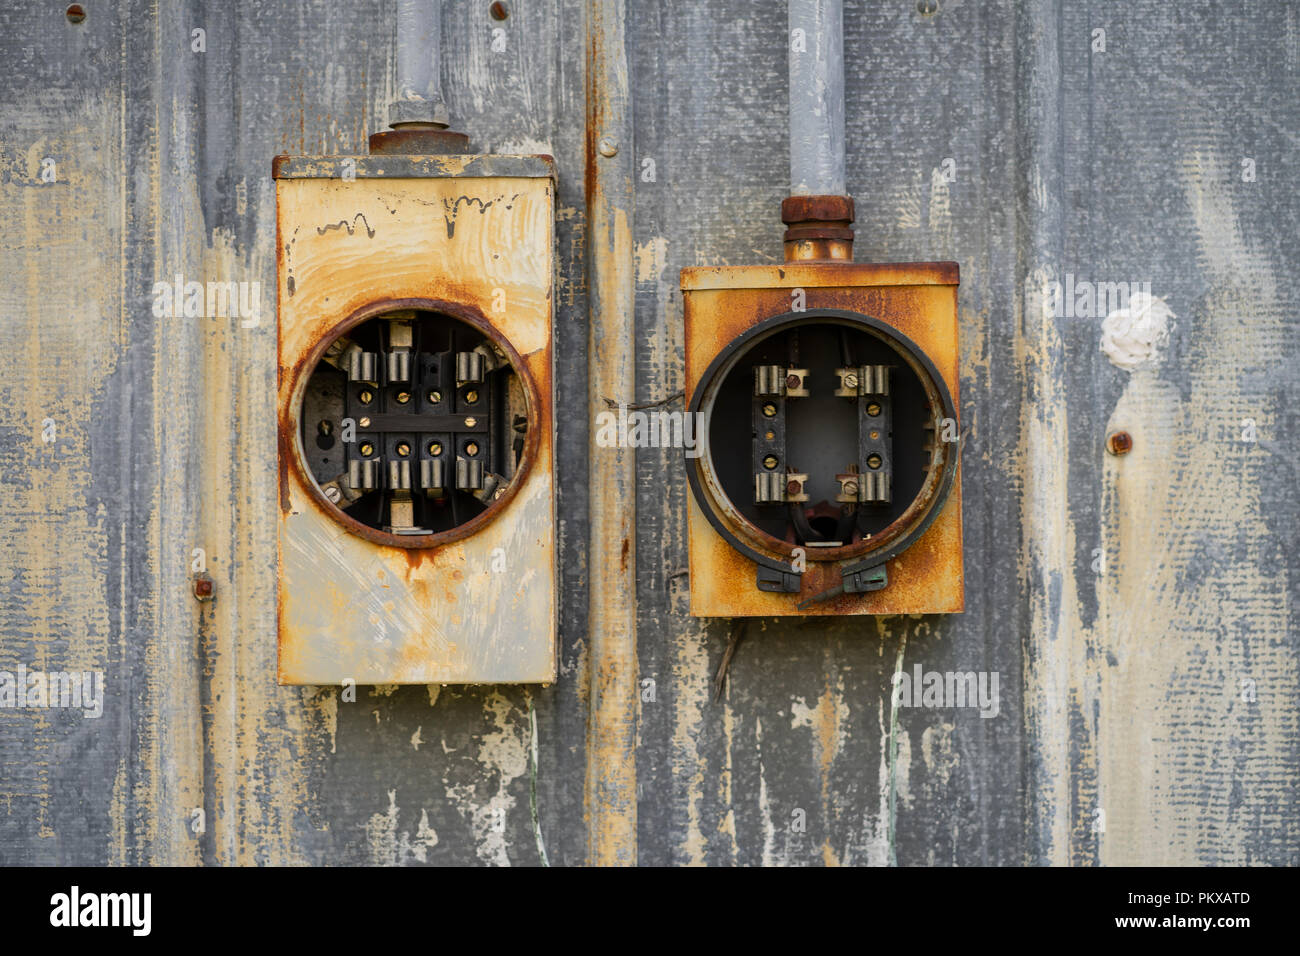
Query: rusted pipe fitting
<point>818,227</point>
<point>418,140</point>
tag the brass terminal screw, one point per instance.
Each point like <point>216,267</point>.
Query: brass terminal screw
<point>793,487</point>
<point>471,422</point>
<point>435,396</point>
<point>435,448</point>
<point>769,410</point>
<point>769,436</point>
<point>365,396</point>
<point>851,488</point>
<point>403,449</point>
<point>851,381</point>
<point>403,397</point>
<point>471,396</point>
<point>364,422</point>
<point>770,462</point>
<point>874,461</point>
<point>471,449</point>
<point>366,449</point>
<point>873,408</point>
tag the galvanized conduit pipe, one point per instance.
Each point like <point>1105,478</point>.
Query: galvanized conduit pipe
<point>817,98</point>
<point>611,803</point>
<point>419,65</point>
<point>819,211</point>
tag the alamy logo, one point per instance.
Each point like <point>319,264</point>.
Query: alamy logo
<point>213,300</point>
<point>639,429</point>
<point>936,689</point>
<point>1082,299</point>
<point>102,909</point>
<point>53,689</point>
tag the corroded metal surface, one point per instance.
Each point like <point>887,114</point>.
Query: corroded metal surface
<point>1144,630</point>
<point>353,606</point>
<point>723,304</point>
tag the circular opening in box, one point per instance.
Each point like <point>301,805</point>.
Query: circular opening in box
<point>414,423</point>
<point>858,465</point>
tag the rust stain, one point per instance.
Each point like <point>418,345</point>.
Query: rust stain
<point>610,797</point>
<point>1119,443</point>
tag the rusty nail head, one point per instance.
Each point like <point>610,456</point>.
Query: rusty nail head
<point>76,13</point>
<point>1119,443</point>
<point>203,589</point>
<point>608,147</point>
<point>498,11</point>
<point>792,381</point>
<point>793,487</point>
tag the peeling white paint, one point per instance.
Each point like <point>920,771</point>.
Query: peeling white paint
<point>1134,335</point>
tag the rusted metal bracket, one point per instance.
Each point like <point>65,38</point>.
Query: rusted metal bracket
<point>854,579</point>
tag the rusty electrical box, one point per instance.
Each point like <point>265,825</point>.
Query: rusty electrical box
<point>825,391</point>
<point>417,498</point>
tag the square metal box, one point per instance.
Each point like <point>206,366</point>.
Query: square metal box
<point>919,300</point>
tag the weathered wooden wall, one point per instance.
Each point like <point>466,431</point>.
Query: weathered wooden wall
<point>1121,688</point>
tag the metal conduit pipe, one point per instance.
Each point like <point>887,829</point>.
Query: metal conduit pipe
<point>419,65</point>
<point>816,98</point>
<point>419,116</point>
<point>818,212</point>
